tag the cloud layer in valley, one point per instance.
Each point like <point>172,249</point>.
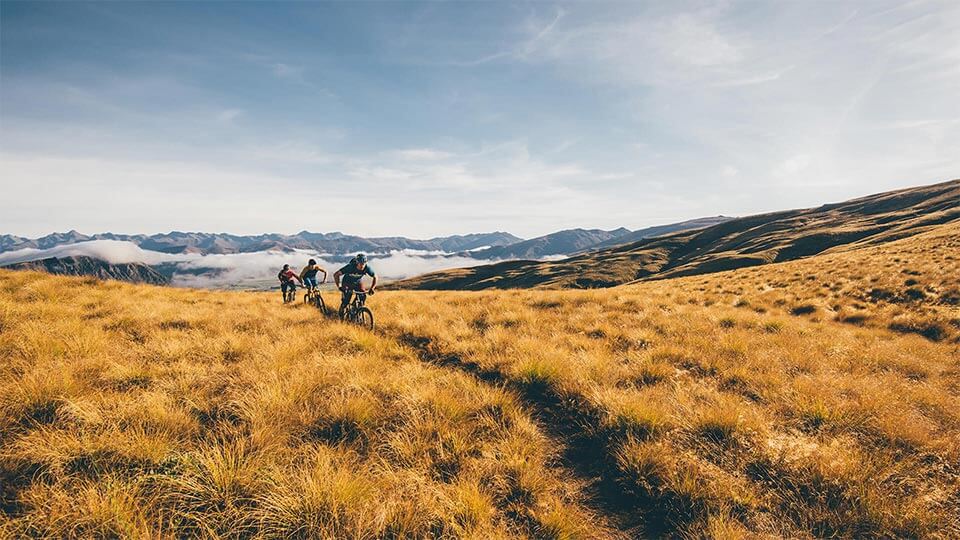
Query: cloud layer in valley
<point>239,270</point>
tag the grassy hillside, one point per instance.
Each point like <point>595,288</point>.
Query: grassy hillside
<point>742,242</point>
<point>806,399</point>
<point>140,411</point>
<point>80,265</point>
<point>662,230</point>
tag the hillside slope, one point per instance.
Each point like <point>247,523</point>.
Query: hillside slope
<point>748,241</point>
<point>662,230</point>
<point>132,411</point>
<point>558,243</point>
<point>808,399</point>
<point>812,398</point>
<point>89,266</point>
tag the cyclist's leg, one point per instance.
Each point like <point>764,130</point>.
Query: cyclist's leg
<point>345,299</point>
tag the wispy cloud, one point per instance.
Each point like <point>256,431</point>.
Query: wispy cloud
<point>421,154</point>
<point>450,117</point>
<point>753,79</point>
<point>521,50</point>
<point>286,71</point>
<point>229,115</point>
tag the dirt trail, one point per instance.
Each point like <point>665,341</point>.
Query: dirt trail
<point>584,450</point>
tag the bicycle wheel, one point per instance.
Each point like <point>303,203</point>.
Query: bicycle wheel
<point>320,304</point>
<point>307,299</point>
<point>364,318</point>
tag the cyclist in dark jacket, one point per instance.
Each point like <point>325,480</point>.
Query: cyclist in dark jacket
<point>348,279</point>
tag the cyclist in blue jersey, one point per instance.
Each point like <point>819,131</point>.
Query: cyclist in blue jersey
<point>309,274</point>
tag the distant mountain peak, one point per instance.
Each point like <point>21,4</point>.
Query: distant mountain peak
<point>222,243</point>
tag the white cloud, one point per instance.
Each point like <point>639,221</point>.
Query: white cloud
<point>753,79</point>
<point>421,154</point>
<point>405,263</point>
<point>537,31</point>
<point>694,40</point>
<point>793,165</point>
<point>229,115</point>
<point>112,251</point>
<point>287,71</point>
<point>740,108</point>
<point>243,270</point>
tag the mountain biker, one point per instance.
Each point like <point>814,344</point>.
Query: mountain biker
<point>286,277</point>
<point>308,276</point>
<point>351,274</point>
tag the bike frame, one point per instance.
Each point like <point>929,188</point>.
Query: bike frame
<point>358,301</point>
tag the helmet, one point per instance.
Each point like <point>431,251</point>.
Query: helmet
<point>360,258</point>
<point>312,262</point>
<point>286,267</point>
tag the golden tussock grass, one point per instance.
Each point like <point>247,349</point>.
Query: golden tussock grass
<point>806,399</point>
<point>149,412</point>
<point>745,403</point>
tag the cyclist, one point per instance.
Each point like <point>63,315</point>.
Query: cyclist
<point>286,277</point>
<point>308,276</point>
<point>351,274</point>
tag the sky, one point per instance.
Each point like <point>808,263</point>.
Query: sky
<point>437,118</point>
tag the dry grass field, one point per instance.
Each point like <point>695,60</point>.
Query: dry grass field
<point>812,398</point>
<point>139,411</point>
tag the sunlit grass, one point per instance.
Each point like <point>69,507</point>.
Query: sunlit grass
<point>808,399</point>
<point>746,402</point>
<point>133,411</point>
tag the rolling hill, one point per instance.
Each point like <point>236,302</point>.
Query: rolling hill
<point>804,399</point>
<point>89,266</point>
<point>559,243</point>
<point>661,230</point>
<point>742,242</point>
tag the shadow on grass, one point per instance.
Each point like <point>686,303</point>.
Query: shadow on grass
<point>587,449</point>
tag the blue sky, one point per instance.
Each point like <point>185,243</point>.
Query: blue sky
<point>423,119</point>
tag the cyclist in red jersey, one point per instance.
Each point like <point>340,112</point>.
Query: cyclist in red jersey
<point>286,277</point>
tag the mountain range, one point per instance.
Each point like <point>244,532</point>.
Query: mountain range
<point>747,241</point>
<point>572,241</point>
<point>483,246</point>
<point>578,258</point>
<point>223,243</point>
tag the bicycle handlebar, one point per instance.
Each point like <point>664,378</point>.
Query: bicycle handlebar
<point>370,291</point>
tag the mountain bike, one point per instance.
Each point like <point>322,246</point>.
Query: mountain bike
<point>313,298</point>
<point>356,312</point>
<point>290,295</point>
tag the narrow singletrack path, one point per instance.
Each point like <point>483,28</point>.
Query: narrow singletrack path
<point>585,451</point>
